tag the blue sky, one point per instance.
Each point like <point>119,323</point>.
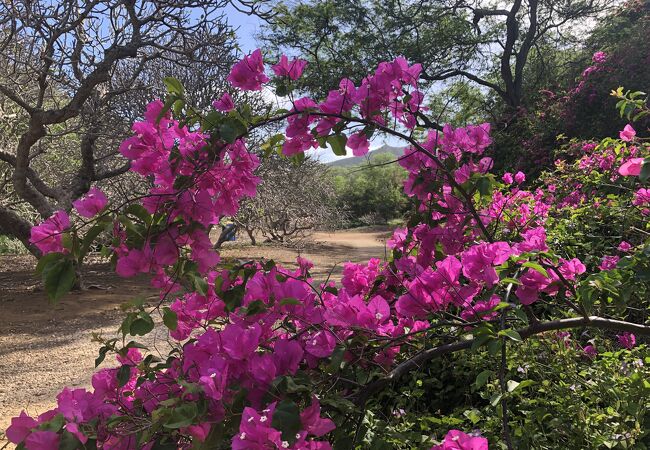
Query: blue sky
<point>247,27</point>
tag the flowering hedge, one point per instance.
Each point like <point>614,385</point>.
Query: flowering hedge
<point>264,357</point>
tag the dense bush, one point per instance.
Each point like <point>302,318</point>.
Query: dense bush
<point>371,194</point>
<point>464,327</point>
<point>576,103</point>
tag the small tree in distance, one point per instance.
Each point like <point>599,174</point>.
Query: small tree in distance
<point>293,198</point>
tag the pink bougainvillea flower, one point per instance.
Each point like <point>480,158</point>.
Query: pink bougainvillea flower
<point>628,133</point>
<point>304,264</point>
<point>91,204</point>
<point>520,177</point>
<point>20,428</point>
<point>588,147</point>
<point>590,350</point>
<point>312,422</point>
<point>624,246</point>
<point>608,262</point>
<point>240,341</point>
<point>641,197</point>
<point>532,282</point>
<point>133,357</point>
<point>224,104</point>
<point>135,262</point>
<point>287,355</point>
<point>599,57</point>
<point>507,178</point>
<point>248,74</point>
<point>255,431</point>
<point>626,340</point>
<point>320,344</point>
<point>457,440</point>
<point>480,260</point>
<point>485,164</point>
<point>47,236</point>
<point>73,428</point>
<point>40,440</point>
<point>359,144</point>
<point>632,167</point>
<point>200,431</point>
<point>292,69</point>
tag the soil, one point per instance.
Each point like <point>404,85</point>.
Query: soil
<point>45,347</point>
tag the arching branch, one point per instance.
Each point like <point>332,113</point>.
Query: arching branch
<point>419,360</point>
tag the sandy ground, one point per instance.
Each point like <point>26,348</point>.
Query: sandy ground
<point>45,347</point>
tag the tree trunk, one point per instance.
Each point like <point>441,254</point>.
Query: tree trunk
<point>251,235</point>
<point>11,224</point>
<point>224,234</point>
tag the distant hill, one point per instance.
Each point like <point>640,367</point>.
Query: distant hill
<point>358,160</point>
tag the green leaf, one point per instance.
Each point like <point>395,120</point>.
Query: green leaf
<point>336,359</point>
<point>174,86</point>
<point>160,445</point>
<point>286,418</point>
<point>170,318</point>
<point>169,102</point>
<point>337,142</point>
<point>511,334</point>
<point>200,284</point>
<point>90,237</point>
<point>255,307</point>
<point>480,341</point>
<point>123,375</point>
<point>521,315</point>
<point>298,159</point>
<point>46,260</point>
<point>231,129</point>
<point>182,416</point>
<point>495,399</point>
<point>494,346</point>
<point>535,266</point>
<point>59,278</point>
<point>54,424</point>
<point>290,301</point>
<point>331,290</point>
<point>67,241</point>
<point>69,441</point>
<point>524,384</point>
<point>512,385</point>
<point>140,212</point>
<point>482,378</point>
<point>141,325</point>
<point>474,415</point>
<point>344,443</point>
<point>102,355</point>
<point>281,89</point>
<point>644,175</point>
<point>484,186</point>
<point>233,297</point>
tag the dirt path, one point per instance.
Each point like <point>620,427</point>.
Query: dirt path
<point>44,348</point>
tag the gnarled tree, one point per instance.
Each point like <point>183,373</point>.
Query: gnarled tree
<point>72,72</point>
<point>472,41</point>
<point>293,199</point>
